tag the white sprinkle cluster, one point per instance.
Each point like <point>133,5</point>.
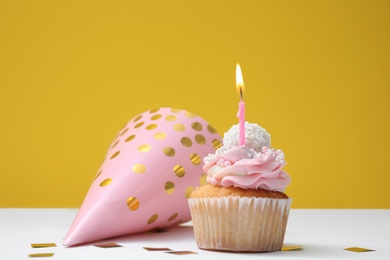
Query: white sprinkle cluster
<point>255,138</point>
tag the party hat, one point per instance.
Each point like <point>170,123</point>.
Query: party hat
<point>150,169</point>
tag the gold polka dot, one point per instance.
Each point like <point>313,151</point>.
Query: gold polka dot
<point>186,141</point>
<point>151,127</point>
<point>152,219</point>
<point>170,118</point>
<point>132,203</point>
<point>144,148</point>
<point>195,159</point>
<point>139,125</point>
<point>169,187</point>
<point>117,142</point>
<point>200,139</point>
<point>169,151</point>
<point>155,117</point>
<point>98,174</point>
<point>179,127</point>
<point>160,136</point>
<point>189,114</point>
<point>137,118</point>
<point>203,179</point>
<point>124,131</point>
<point>197,126</point>
<point>179,170</point>
<point>131,137</point>
<point>115,154</point>
<point>106,182</point>
<point>176,110</point>
<point>154,110</point>
<point>216,143</point>
<point>139,168</point>
<point>211,129</point>
<point>173,216</point>
<point>189,190</point>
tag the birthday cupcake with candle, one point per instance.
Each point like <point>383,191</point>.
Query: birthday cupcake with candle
<point>243,206</point>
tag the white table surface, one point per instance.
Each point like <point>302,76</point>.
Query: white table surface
<point>322,233</point>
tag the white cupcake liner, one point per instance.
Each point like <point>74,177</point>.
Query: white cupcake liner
<point>239,223</point>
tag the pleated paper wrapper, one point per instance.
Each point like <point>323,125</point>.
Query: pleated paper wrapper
<point>240,223</point>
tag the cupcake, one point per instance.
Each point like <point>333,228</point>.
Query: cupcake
<point>243,206</point>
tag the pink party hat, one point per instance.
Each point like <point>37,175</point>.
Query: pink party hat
<point>150,169</point>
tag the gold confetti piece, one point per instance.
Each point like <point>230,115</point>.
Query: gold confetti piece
<point>41,255</point>
<point>181,252</point>
<point>38,245</point>
<point>157,248</point>
<point>358,249</point>
<point>108,245</point>
<point>291,248</point>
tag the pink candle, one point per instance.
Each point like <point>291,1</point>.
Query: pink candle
<point>241,106</point>
<point>241,120</point>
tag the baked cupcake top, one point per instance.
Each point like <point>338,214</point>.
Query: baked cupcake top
<point>251,166</point>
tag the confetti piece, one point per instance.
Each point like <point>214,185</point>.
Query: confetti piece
<point>41,255</point>
<point>108,245</point>
<point>39,245</point>
<point>181,252</point>
<point>157,248</point>
<point>358,249</point>
<point>291,248</point>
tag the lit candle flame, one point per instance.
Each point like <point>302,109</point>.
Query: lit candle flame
<point>239,81</point>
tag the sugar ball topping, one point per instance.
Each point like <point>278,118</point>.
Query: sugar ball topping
<point>255,137</point>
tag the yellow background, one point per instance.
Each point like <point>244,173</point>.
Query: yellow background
<point>317,77</point>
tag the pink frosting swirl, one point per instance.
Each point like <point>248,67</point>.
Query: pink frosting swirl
<point>246,168</point>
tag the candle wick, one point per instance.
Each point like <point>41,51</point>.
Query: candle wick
<point>241,95</point>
